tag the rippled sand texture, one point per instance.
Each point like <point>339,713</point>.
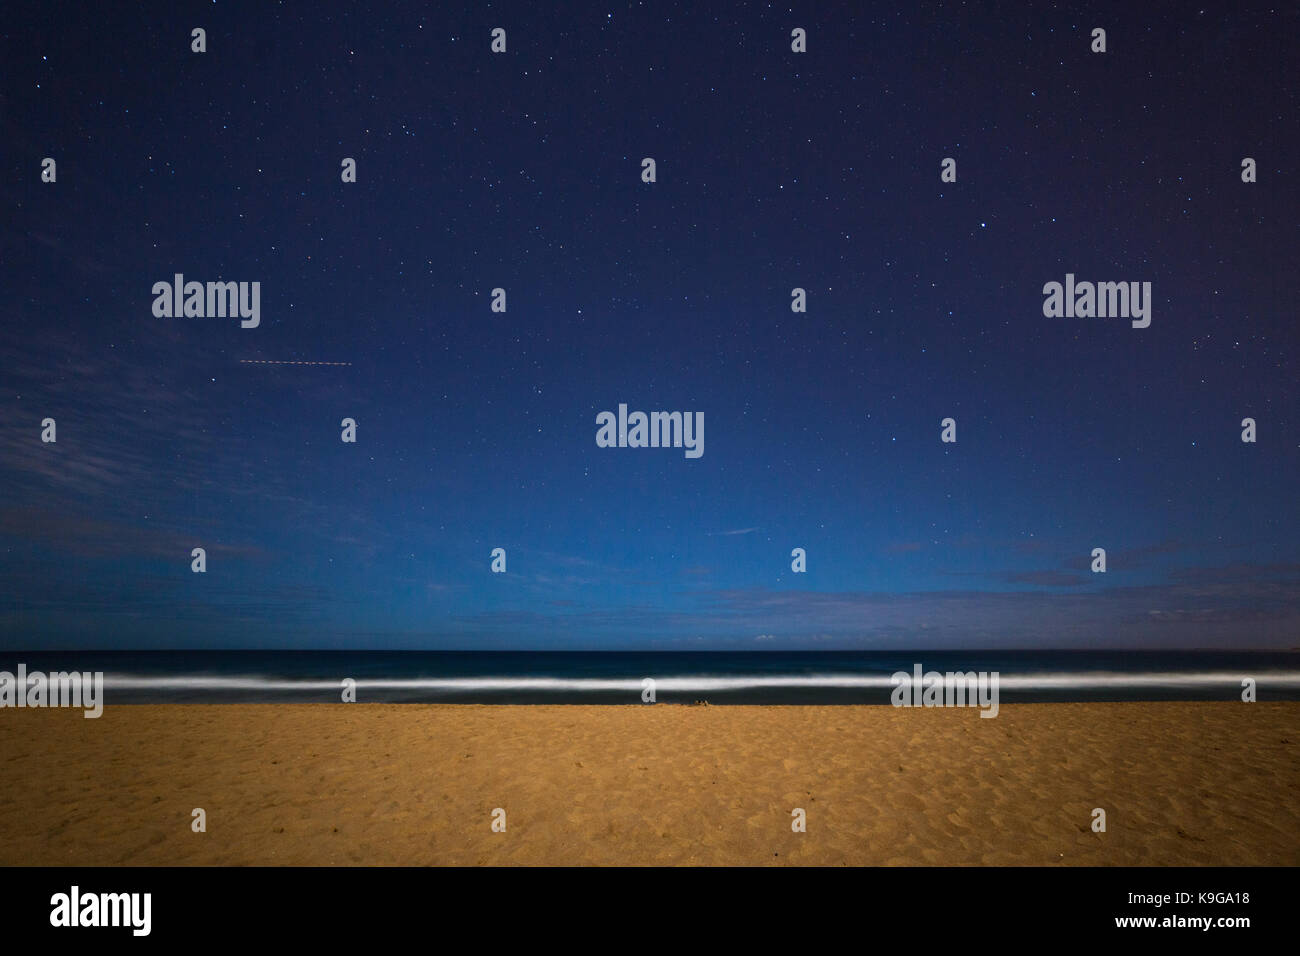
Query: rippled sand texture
<point>320,784</point>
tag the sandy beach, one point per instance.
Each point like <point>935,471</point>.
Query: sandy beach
<point>367,784</point>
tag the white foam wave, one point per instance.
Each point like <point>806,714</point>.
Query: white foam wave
<point>693,683</point>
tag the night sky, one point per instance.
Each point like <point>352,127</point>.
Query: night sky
<point>775,170</point>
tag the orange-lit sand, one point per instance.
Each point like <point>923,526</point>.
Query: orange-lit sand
<point>1181,783</point>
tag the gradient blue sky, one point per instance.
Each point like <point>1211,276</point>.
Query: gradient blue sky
<point>477,430</point>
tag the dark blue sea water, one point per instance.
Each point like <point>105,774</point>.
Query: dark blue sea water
<point>617,678</point>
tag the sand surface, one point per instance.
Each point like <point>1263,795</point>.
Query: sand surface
<point>322,784</point>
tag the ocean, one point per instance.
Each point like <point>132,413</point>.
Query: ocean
<point>472,677</point>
